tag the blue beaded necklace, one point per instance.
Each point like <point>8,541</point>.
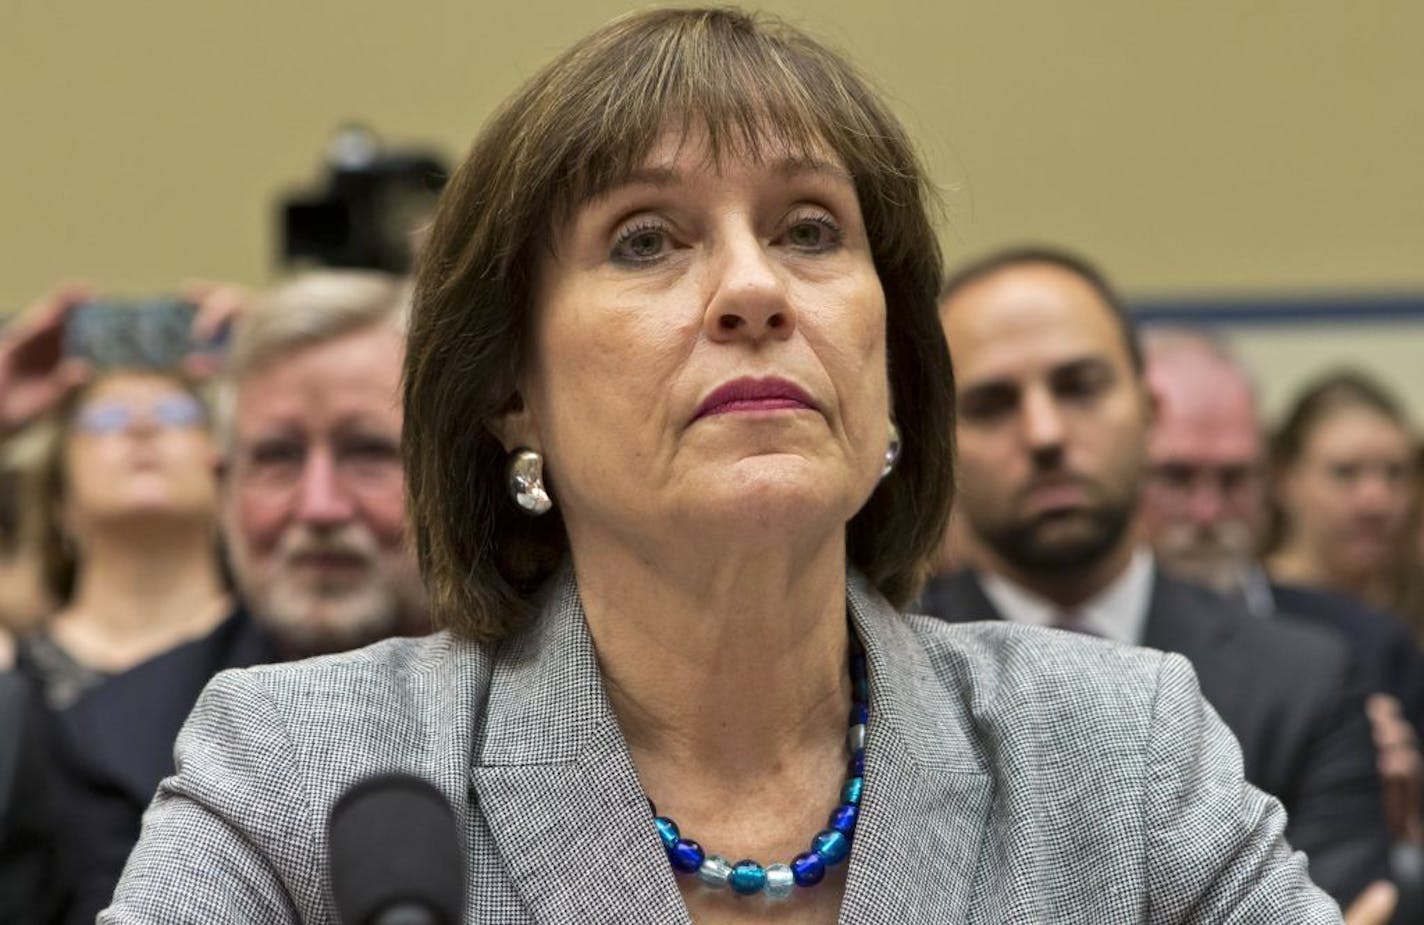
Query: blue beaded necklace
<point>831,845</point>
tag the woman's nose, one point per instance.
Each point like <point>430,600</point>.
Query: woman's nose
<point>749,299</point>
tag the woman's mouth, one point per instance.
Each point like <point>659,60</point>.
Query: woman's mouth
<point>748,395</point>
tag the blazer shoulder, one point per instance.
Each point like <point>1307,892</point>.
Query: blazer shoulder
<point>997,665</point>
<point>388,703</point>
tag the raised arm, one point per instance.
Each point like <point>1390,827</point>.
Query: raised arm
<point>34,373</point>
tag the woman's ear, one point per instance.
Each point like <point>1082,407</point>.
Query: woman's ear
<point>514,426</point>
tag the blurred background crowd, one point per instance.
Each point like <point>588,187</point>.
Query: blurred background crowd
<point>197,475</point>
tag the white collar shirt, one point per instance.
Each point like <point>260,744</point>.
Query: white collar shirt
<point>1118,611</point>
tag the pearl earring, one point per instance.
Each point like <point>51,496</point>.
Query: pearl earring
<point>892,450</point>
<point>526,482</point>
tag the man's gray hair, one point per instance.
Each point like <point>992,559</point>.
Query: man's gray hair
<point>308,309</point>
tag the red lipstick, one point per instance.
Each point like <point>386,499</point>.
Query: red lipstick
<point>747,394</point>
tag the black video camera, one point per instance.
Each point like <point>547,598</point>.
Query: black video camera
<point>366,215</point>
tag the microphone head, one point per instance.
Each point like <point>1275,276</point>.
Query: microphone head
<point>394,852</point>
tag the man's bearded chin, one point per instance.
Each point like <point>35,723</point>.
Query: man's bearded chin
<point>1057,543</point>
<point>316,620</point>
<point>1219,556</point>
<point>313,618</point>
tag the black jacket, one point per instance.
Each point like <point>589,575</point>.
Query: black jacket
<point>1293,697</point>
<point>107,752</point>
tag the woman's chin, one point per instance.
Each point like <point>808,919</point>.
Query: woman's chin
<point>776,496</point>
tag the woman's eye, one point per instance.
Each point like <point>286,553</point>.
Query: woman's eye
<point>813,233</point>
<point>640,244</point>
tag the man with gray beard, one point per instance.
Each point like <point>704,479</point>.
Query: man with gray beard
<point>1204,512</point>
<point>313,493</point>
<point>1204,505</point>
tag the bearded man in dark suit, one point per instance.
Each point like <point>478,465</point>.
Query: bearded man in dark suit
<point>1053,422</point>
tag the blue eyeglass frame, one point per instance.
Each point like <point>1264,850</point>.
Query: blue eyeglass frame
<point>111,417</point>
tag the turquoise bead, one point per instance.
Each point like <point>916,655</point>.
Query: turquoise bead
<point>780,881</point>
<point>850,793</point>
<point>831,845</point>
<point>747,878</point>
<point>667,831</point>
<point>715,871</point>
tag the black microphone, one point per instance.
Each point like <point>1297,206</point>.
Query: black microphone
<point>395,854</point>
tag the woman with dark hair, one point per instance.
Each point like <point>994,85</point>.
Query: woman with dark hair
<point>1343,487</point>
<point>678,444</point>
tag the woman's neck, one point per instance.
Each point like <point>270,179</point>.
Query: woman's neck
<point>1297,563</point>
<point>730,679</point>
<point>732,662</point>
<point>139,593</point>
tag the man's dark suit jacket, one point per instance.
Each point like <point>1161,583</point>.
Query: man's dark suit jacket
<point>1384,646</point>
<point>1291,695</point>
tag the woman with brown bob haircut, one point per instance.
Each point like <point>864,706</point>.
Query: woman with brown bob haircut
<point>678,418</point>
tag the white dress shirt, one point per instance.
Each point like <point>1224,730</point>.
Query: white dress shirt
<point>1118,611</point>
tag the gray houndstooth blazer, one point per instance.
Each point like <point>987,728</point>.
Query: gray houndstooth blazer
<point>1012,776</point>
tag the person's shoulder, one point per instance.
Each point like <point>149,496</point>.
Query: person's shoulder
<point>1246,634</point>
<point>399,685</point>
<point>996,663</point>
<point>1340,612</point>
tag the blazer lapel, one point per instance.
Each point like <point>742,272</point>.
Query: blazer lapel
<point>552,778</point>
<point>927,794</point>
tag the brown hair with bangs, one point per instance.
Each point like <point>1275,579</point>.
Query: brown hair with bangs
<point>578,127</point>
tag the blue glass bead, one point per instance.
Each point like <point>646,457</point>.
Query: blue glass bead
<point>667,831</point>
<point>857,665</point>
<point>686,855</point>
<point>780,881</point>
<point>850,793</point>
<point>714,871</point>
<point>856,737</point>
<point>843,819</point>
<point>747,878</point>
<point>831,845</point>
<point>808,868</point>
<point>859,714</point>
<point>862,689</point>
<point>856,766</point>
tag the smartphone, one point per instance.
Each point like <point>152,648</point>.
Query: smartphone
<point>151,333</point>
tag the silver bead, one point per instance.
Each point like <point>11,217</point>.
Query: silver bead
<point>526,482</point>
<point>780,881</point>
<point>714,871</point>
<point>856,738</point>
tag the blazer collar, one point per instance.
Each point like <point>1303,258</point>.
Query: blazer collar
<point>552,775</point>
<point>927,793</point>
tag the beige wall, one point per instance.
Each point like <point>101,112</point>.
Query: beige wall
<point>1205,146</point>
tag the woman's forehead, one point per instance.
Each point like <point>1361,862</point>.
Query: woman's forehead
<point>133,383</point>
<point>685,152</point>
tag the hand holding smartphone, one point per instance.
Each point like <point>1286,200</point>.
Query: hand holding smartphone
<point>152,333</point>
<point>35,372</point>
